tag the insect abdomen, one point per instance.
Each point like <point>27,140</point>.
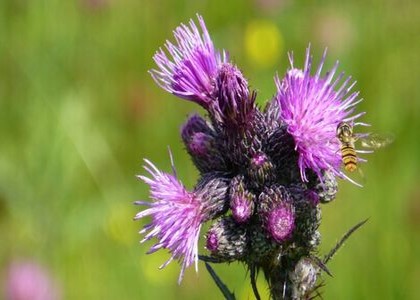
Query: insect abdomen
<point>348,153</point>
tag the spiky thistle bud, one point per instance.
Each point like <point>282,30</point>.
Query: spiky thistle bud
<point>200,140</point>
<point>234,104</point>
<point>278,213</point>
<point>212,189</point>
<point>227,240</point>
<point>308,218</point>
<point>242,202</point>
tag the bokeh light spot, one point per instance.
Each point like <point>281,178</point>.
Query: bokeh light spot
<point>119,224</point>
<point>263,43</point>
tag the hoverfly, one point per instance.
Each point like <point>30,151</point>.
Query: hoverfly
<point>347,140</point>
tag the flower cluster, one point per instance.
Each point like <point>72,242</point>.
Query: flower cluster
<point>264,173</point>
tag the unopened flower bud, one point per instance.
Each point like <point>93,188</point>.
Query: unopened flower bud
<point>280,222</point>
<point>278,214</point>
<point>272,115</point>
<point>241,200</point>
<point>234,103</point>
<point>201,142</point>
<point>212,189</point>
<point>308,217</point>
<point>303,278</point>
<point>227,240</point>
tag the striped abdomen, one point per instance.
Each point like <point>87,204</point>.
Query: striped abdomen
<point>348,153</point>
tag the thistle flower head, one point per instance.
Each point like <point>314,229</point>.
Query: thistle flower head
<point>192,65</point>
<point>176,214</point>
<point>312,106</point>
<point>263,173</point>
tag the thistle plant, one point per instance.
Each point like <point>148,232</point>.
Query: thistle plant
<point>264,172</point>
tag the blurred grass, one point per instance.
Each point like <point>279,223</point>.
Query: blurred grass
<point>79,112</point>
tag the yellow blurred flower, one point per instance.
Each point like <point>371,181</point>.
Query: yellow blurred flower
<point>118,224</point>
<point>263,43</point>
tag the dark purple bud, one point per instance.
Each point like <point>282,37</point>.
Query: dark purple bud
<point>278,213</point>
<point>212,189</point>
<point>273,196</point>
<point>201,142</point>
<point>241,200</point>
<point>280,222</point>
<point>272,115</point>
<point>234,103</point>
<point>195,124</point>
<point>260,243</point>
<point>227,240</point>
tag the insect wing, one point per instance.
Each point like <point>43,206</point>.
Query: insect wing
<point>376,141</point>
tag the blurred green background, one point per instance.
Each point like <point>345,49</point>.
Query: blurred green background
<point>79,112</point>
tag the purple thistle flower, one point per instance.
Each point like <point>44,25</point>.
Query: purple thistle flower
<point>312,107</point>
<point>189,71</point>
<point>263,173</point>
<point>177,216</point>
